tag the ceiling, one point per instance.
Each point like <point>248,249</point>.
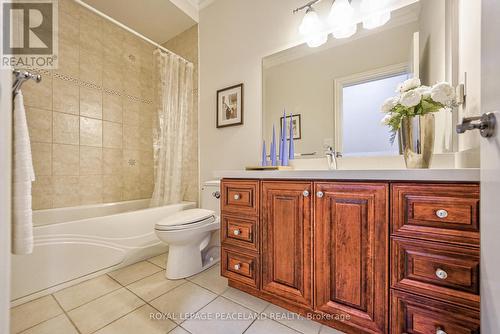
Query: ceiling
<point>159,20</point>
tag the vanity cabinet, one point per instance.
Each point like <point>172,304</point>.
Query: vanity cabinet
<point>287,241</point>
<point>362,257</point>
<point>351,252</point>
<point>435,258</point>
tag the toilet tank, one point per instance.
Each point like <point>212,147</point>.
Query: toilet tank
<point>210,196</point>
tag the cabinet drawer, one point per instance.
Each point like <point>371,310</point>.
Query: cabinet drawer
<point>417,315</point>
<point>240,197</point>
<point>449,273</point>
<point>439,212</point>
<point>240,232</point>
<point>240,267</point>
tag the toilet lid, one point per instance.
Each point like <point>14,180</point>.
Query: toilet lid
<point>186,219</point>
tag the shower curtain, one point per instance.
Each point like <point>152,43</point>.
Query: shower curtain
<point>174,154</point>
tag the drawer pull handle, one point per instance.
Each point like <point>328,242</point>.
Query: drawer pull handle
<point>440,331</point>
<point>442,213</point>
<point>320,194</point>
<point>237,266</point>
<point>236,232</point>
<point>236,197</point>
<point>441,274</point>
<point>305,193</point>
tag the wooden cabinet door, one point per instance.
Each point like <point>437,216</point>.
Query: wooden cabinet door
<point>287,240</point>
<point>351,254</point>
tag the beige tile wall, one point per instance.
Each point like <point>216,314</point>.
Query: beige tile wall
<point>91,120</point>
<point>186,45</point>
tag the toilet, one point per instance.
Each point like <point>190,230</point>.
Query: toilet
<point>189,233</point>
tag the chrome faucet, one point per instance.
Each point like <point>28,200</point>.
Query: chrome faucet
<point>331,157</point>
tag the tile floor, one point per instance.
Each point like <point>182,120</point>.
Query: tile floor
<point>125,301</point>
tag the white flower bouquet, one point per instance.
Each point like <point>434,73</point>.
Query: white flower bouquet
<point>415,99</point>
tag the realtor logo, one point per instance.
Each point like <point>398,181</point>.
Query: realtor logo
<point>29,34</point>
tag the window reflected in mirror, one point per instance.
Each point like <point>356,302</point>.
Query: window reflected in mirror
<point>360,116</point>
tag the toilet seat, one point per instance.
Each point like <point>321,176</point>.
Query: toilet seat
<point>186,219</point>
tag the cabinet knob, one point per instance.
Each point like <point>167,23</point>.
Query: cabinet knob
<point>440,331</point>
<point>441,274</point>
<point>320,194</point>
<point>236,197</point>
<point>236,232</point>
<point>305,193</point>
<point>442,213</point>
<point>237,266</point>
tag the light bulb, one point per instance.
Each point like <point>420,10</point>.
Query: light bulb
<point>312,29</point>
<point>376,13</point>
<point>313,41</point>
<point>341,19</point>
<point>310,23</point>
<point>344,32</point>
<point>341,13</point>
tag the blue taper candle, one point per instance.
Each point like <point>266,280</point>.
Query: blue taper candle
<point>284,152</point>
<point>291,150</point>
<point>272,153</point>
<point>264,154</point>
<point>282,146</point>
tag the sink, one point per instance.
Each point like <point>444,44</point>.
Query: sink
<point>370,163</point>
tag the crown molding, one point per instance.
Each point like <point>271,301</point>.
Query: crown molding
<point>192,7</point>
<point>204,3</point>
<point>189,7</point>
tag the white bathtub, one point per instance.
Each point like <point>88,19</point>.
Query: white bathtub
<point>78,243</point>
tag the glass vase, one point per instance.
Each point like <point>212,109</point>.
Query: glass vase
<point>417,139</point>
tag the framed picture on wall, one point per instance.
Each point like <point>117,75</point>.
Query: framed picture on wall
<point>296,124</point>
<point>230,106</point>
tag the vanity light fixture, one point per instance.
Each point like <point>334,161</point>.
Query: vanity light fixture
<point>376,13</point>
<point>313,29</point>
<point>340,19</point>
<point>341,23</point>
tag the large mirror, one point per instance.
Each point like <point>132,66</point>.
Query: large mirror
<point>335,92</point>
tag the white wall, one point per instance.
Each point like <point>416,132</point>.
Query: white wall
<point>234,37</point>
<point>432,28</point>
<point>470,63</point>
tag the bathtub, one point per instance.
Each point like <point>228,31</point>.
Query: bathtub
<point>78,243</point>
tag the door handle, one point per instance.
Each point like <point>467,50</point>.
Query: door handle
<point>485,124</point>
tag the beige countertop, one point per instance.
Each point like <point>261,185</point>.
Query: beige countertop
<point>443,175</point>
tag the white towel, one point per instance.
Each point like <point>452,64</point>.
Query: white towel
<point>24,175</point>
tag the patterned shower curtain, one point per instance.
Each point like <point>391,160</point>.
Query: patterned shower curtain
<point>173,134</point>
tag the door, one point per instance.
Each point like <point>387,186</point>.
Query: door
<point>351,233</point>
<point>490,171</point>
<point>5,193</point>
<point>287,240</point>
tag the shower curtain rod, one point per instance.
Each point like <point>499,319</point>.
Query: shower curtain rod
<point>121,25</point>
